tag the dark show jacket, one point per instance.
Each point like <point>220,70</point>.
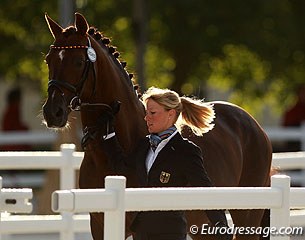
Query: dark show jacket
<point>178,164</point>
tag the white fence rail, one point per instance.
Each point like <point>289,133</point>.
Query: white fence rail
<point>115,200</point>
<point>15,200</point>
<point>291,161</point>
<point>66,160</point>
<point>287,133</point>
<point>28,137</point>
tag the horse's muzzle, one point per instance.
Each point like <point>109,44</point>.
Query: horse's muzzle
<point>55,113</point>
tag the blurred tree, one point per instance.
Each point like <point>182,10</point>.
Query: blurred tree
<point>23,36</point>
<point>254,48</point>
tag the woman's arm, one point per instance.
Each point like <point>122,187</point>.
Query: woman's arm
<point>195,172</point>
<point>118,161</point>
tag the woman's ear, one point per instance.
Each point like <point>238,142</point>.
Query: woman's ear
<point>172,113</point>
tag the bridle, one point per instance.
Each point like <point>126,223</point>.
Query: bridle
<point>90,132</point>
<point>77,90</point>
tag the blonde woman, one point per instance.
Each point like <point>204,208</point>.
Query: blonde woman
<point>165,159</point>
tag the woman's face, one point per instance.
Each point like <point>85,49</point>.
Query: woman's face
<point>157,118</point>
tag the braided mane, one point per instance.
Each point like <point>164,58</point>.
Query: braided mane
<point>105,43</point>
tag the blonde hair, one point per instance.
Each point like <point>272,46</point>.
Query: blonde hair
<point>194,113</point>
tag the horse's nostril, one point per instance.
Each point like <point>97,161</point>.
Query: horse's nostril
<point>59,113</point>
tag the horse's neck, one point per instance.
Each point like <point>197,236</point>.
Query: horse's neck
<point>131,127</point>
<point>113,86</point>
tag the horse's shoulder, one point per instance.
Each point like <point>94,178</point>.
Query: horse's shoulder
<point>226,111</point>
<point>225,105</point>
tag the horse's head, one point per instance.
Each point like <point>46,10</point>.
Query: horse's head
<point>85,74</point>
<point>71,62</point>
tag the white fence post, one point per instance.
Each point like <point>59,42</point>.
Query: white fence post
<point>67,181</point>
<point>67,173</point>
<point>280,217</point>
<point>114,224</point>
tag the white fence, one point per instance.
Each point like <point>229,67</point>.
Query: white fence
<point>291,161</point>
<point>287,133</point>
<point>48,137</point>
<point>15,200</point>
<point>28,137</point>
<point>67,161</point>
<point>115,200</point>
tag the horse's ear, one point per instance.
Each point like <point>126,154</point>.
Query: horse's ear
<point>81,24</point>
<point>55,29</point>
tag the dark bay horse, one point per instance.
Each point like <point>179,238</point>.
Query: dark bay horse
<point>85,74</point>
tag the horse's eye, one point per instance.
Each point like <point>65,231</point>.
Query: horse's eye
<point>79,62</point>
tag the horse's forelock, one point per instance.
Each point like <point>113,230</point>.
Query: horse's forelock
<point>69,31</point>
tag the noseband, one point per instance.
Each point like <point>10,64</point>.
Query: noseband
<point>77,90</point>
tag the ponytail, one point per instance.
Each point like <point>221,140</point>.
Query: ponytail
<point>197,115</point>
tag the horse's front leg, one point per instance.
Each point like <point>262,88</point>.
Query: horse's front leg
<point>90,177</point>
<point>93,171</point>
<point>97,225</point>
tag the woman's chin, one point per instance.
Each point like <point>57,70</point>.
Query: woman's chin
<point>150,130</point>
